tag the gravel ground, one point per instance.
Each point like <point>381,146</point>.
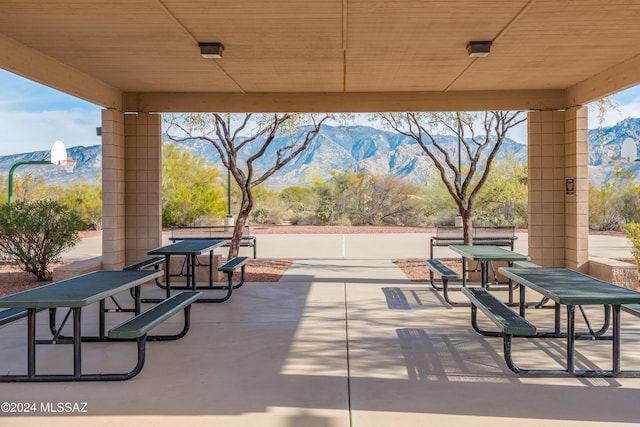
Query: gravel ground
<point>13,280</point>
<point>417,271</point>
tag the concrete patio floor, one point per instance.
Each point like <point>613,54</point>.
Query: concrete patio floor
<point>337,342</point>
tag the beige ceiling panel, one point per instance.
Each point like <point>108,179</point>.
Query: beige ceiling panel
<point>281,46</point>
<point>556,44</point>
<point>330,46</point>
<point>417,45</point>
<point>131,45</point>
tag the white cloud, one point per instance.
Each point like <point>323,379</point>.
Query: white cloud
<point>612,117</point>
<point>628,105</point>
<point>24,131</point>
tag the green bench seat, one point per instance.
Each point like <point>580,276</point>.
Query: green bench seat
<point>143,265</point>
<point>229,267</point>
<point>631,309</point>
<point>12,314</point>
<point>508,321</point>
<point>147,263</point>
<point>525,264</point>
<point>511,325</point>
<point>233,264</point>
<point>436,266</point>
<point>137,327</point>
<point>141,324</point>
<point>441,269</point>
<point>529,264</point>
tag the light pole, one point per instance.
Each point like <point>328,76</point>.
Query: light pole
<point>458,220</point>
<point>228,193</point>
<point>228,221</point>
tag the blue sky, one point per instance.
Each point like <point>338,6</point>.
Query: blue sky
<point>33,116</point>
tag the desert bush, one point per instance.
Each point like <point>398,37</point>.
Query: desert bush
<point>632,231</point>
<point>36,233</point>
<point>190,188</point>
<point>86,198</point>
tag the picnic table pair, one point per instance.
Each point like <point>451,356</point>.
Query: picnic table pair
<point>484,255</point>
<point>567,288</point>
<point>564,287</point>
<point>77,293</point>
<point>191,249</point>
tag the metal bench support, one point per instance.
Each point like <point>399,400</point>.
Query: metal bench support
<point>438,267</point>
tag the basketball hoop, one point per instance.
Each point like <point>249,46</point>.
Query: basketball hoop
<point>67,165</point>
<point>59,157</point>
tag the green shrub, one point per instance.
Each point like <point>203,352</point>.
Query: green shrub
<point>632,230</point>
<point>37,232</point>
<point>260,215</point>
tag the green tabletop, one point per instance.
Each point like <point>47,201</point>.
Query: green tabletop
<point>487,253</point>
<point>569,287</point>
<point>79,291</point>
<point>188,247</point>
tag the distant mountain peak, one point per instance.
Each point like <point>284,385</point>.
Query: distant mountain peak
<point>349,147</point>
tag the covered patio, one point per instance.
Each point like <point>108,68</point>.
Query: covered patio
<point>337,342</point>
<point>142,57</point>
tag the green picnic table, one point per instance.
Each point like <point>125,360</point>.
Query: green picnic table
<point>485,254</point>
<point>191,249</point>
<point>74,294</point>
<point>573,289</point>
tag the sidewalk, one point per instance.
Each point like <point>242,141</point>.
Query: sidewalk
<point>334,343</point>
<point>362,246</point>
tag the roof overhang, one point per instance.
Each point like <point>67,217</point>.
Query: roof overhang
<point>329,55</point>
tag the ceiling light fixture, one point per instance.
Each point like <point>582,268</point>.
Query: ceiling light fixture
<point>211,50</point>
<point>478,49</point>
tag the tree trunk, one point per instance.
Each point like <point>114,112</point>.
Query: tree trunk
<point>238,228</point>
<point>467,226</point>
<point>246,206</point>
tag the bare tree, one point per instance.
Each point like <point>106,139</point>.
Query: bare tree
<point>479,143</point>
<point>241,140</point>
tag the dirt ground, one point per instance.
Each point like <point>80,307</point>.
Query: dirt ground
<point>417,271</point>
<point>13,280</point>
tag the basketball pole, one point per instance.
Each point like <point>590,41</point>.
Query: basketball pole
<point>13,169</point>
<point>58,157</point>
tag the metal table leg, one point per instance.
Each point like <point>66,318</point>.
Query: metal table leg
<point>571,339</point>
<point>31,342</point>
<point>77,343</point>
<point>616,339</point>
<point>167,274</point>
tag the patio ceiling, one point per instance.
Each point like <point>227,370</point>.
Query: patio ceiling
<point>324,55</point>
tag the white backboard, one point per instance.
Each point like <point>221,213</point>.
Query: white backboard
<point>629,150</point>
<point>58,153</point>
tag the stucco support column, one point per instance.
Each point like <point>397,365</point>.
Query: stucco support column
<point>577,203</point>
<point>558,188</point>
<point>131,180</point>
<point>113,190</point>
<point>143,204</point>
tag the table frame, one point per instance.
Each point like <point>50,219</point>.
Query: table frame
<point>558,284</point>
<point>75,294</point>
<point>191,249</point>
<point>485,254</point>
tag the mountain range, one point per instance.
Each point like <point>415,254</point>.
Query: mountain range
<point>360,148</point>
